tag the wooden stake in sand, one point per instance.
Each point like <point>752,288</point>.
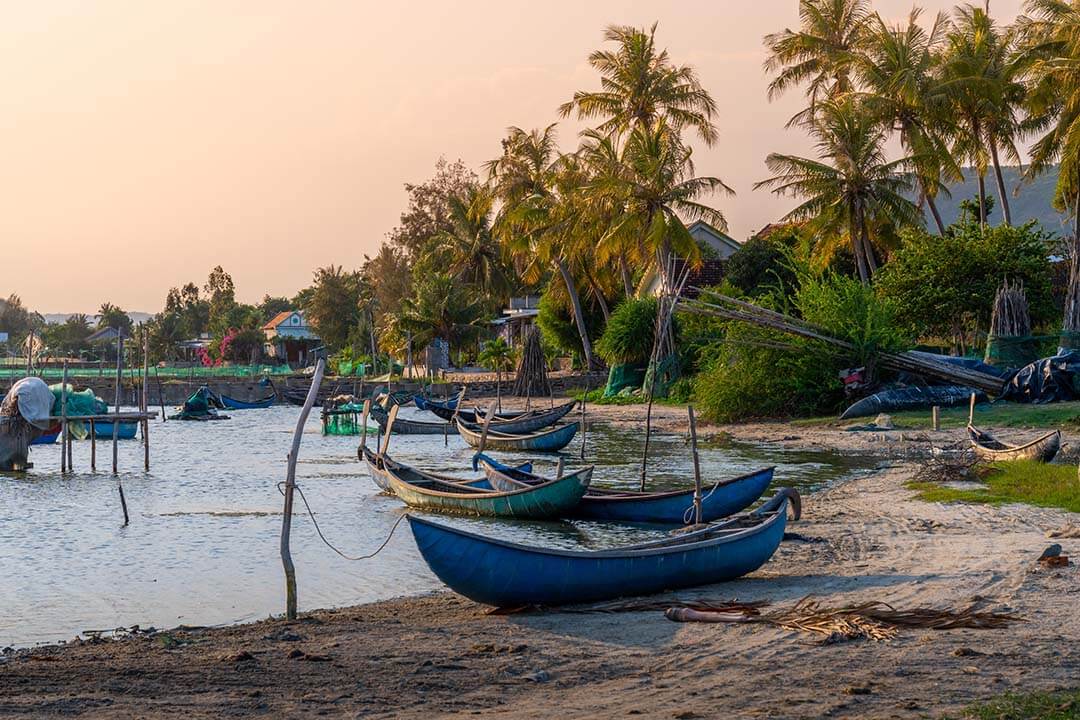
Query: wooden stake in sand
<point>290,486</point>
<point>935,417</point>
<point>116,404</point>
<point>64,431</point>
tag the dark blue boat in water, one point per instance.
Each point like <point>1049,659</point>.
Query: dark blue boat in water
<point>718,500</point>
<point>507,574</point>
<point>234,404</point>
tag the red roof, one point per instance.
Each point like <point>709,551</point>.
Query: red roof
<point>278,319</point>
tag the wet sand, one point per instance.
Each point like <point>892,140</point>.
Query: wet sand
<point>436,656</point>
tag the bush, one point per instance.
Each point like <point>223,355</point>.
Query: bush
<point>761,265</point>
<point>556,321</point>
<point>944,285</point>
<point>757,373</point>
<point>628,337</point>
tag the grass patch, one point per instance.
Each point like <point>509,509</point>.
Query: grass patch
<point>1001,415</point>
<point>1029,706</point>
<point>1023,481</point>
<point>596,397</point>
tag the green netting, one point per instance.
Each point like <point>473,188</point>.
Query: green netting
<point>346,420</point>
<point>667,372</point>
<point>200,405</point>
<point>623,376</point>
<point>1011,352</point>
<point>16,367</point>
<point>78,403</point>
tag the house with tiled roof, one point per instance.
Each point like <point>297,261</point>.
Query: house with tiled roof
<point>289,337</point>
<point>715,247</point>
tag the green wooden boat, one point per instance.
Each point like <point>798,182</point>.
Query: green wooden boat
<point>425,491</point>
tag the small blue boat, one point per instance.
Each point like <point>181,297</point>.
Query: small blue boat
<point>103,430</point>
<point>718,500</point>
<point>507,574</point>
<point>426,403</point>
<point>47,439</point>
<point>234,404</point>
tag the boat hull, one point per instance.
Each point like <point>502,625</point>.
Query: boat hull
<point>234,404</point>
<point>552,440</point>
<point>1042,449</point>
<point>504,574</point>
<point>527,423</point>
<point>720,499</point>
<point>104,430</point>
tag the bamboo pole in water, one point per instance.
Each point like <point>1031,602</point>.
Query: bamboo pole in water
<point>290,486</point>
<point>93,446</point>
<point>144,404</point>
<point>116,422</point>
<point>64,466</point>
<point>697,465</point>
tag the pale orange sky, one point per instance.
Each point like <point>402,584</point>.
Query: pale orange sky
<point>143,143</point>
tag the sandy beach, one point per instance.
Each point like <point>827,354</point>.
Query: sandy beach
<point>863,540</point>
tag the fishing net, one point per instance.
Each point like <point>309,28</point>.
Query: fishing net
<point>346,420</point>
<point>1012,351</point>
<point>202,404</point>
<point>621,377</point>
<point>666,373</point>
<point>78,403</point>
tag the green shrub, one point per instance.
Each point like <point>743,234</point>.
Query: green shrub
<point>628,337</point>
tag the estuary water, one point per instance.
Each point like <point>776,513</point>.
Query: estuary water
<point>202,544</point>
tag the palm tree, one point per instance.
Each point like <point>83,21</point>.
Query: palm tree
<point>640,85</point>
<point>1051,39</point>
<point>440,308</point>
<point>896,70</point>
<point>851,186</point>
<point>981,76</point>
<point>536,188</point>
<point>820,54</point>
<point>655,187</point>
<point>497,355</point>
<point>476,256</point>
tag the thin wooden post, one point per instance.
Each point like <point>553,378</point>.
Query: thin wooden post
<point>935,417</point>
<point>144,405</point>
<point>160,397</point>
<point>290,486</point>
<point>586,394</point>
<point>559,468</point>
<point>64,432</point>
<point>363,421</point>
<point>487,424</point>
<point>389,427</point>
<point>697,465</point>
<point>93,447</point>
<point>971,410</point>
<point>30,354</point>
<point>116,421</point>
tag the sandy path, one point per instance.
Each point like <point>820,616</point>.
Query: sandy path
<point>441,656</point>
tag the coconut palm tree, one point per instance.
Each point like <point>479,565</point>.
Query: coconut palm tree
<point>497,355</point>
<point>440,308</point>
<point>473,252</point>
<point>640,84</point>
<point>981,74</point>
<point>537,188</point>
<point>851,186</point>
<point>897,72</point>
<point>820,53</point>
<point>656,189</point>
<point>1050,33</point>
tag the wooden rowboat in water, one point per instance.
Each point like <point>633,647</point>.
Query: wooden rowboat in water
<point>508,574</point>
<point>989,448</point>
<point>551,440</point>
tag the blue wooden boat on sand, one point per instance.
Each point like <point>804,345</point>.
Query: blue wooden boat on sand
<point>718,500</point>
<point>510,575</point>
<point>234,404</point>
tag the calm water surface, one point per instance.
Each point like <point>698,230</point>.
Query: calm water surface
<point>202,546</point>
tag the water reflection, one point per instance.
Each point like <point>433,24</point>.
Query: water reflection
<point>202,546</point>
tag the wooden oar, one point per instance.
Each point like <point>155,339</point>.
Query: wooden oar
<point>389,427</point>
<point>457,405</point>
<point>363,421</point>
<point>487,424</point>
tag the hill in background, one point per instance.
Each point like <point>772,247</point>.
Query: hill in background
<point>57,318</point>
<point>1030,202</point>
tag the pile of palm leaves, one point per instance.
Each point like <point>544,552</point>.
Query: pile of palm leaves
<point>964,467</point>
<point>870,620</point>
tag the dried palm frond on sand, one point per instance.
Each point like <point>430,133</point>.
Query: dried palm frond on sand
<point>871,620</point>
<point>952,468</point>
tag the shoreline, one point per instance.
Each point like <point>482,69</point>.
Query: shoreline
<point>434,655</point>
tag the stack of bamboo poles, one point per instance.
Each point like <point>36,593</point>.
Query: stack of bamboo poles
<point>710,302</point>
<point>1010,317</point>
<point>532,379</point>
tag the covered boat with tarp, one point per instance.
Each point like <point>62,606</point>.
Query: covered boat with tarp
<point>203,404</point>
<point>25,415</point>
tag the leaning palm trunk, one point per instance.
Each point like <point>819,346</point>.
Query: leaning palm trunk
<point>855,232</point>
<point>982,199</point>
<point>1006,213</point>
<point>579,315</point>
<point>930,203</point>
<point>624,268</point>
